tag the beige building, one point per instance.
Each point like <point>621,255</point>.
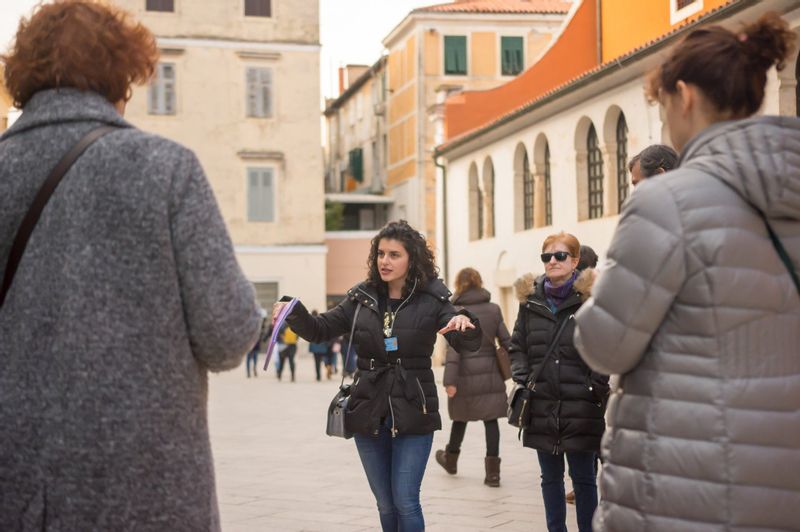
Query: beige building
<point>238,82</point>
<point>445,48</point>
<point>355,173</point>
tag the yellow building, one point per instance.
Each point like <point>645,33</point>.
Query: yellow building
<point>5,103</point>
<point>441,49</point>
<point>239,84</point>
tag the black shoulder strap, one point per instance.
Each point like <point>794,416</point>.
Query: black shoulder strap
<point>776,243</point>
<point>39,203</point>
<point>350,342</point>
<point>532,380</point>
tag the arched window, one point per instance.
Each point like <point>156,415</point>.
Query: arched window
<point>488,198</point>
<point>595,174</point>
<point>475,205</point>
<point>548,196</point>
<point>622,161</point>
<point>527,192</point>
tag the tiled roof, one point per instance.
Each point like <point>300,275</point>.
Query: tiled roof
<point>498,6</point>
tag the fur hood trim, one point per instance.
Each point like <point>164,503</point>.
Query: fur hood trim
<point>525,285</point>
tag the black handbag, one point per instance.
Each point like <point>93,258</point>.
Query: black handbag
<point>519,400</point>
<point>338,407</point>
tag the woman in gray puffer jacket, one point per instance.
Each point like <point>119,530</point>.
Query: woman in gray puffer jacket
<point>697,310</point>
<point>475,387</point>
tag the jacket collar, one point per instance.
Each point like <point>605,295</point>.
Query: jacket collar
<point>538,302</point>
<point>366,294</point>
<point>59,106</point>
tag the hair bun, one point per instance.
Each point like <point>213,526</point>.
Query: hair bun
<point>767,41</point>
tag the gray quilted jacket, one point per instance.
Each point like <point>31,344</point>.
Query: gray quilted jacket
<point>127,295</point>
<point>701,318</point>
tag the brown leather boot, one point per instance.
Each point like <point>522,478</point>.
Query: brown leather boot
<point>492,471</point>
<point>448,460</point>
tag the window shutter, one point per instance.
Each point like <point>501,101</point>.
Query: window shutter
<point>455,54</point>
<point>169,89</point>
<point>260,195</point>
<point>512,57</point>
<point>266,92</point>
<point>357,164</point>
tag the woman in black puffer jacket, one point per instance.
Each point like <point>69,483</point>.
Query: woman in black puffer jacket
<point>568,400</point>
<point>394,408</point>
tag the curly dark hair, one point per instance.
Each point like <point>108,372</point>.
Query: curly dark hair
<point>81,44</point>
<point>421,266</point>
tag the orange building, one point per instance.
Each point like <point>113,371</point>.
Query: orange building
<point>436,50</point>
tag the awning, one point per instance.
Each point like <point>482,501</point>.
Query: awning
<point>344,197</point>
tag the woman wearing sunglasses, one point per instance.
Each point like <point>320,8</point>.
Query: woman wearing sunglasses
<point>568,399</point>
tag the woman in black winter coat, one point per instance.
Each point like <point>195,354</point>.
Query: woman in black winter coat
<point>394,408</point>
<point>475,387</point>
<point>568,399</point>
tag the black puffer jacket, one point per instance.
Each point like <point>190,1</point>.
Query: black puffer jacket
<point>569,399</point>
<point>383,387</point>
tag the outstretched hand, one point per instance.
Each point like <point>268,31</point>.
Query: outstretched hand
<point>457,323</point>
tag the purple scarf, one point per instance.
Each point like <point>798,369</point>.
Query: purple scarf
<point>557,295</point>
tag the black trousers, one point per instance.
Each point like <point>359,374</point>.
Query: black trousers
<point>492,436</point>
<point>287,355</point>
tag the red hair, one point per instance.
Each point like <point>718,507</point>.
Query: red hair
<point>82,44</point>
<point>567,239</point>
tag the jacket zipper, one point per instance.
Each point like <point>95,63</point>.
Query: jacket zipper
<point>422,394</point>
<point>402,304</point>
<point>391,412</point>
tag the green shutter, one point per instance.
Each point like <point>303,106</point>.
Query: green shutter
<point>455,54</point>
<point>357,164</point>
<point>511,55</point>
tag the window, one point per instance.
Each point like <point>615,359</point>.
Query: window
<point>455,54</point>
<point>797,88</point>
<point>160,5</point>
<point>683,3</point>
<point>257,8</point>
<point>548,191</point>
<point>259,92</point>
<point>488,197</point>
<point>622,161</point>
<point>161,97</point>
<point>260,195</point>
<point>595,171</point>
<point>527,193</point>
<point>475,205</point>
<point>511,55</point>
<point>680,10</point>
<point>356,164</point>
<point>266,294</point>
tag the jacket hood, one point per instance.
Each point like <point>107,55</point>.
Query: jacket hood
<point>758,157</point>
<point>473,297</point>
<point>434,287</point>
<point>59,106</point>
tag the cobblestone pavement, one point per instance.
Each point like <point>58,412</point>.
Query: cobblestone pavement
<point>278,471</point>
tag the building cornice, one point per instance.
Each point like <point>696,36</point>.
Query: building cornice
<point>276,47</point>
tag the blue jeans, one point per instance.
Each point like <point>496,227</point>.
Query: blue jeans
<point>395,467</point>
<point>252,358</point>
<point>583,472</point>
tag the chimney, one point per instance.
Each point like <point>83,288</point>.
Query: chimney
<point>341,80</point>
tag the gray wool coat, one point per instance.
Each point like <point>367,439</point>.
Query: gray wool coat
<point>701,318</point>
<point>480,390</point>
<point>128,294</point>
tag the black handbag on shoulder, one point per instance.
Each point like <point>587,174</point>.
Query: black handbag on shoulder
<point>338,407</point>
<point>519,400</point>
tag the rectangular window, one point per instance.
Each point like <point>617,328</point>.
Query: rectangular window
<point>259,92</point>
<point>260,195</point>
<point>684,3</point>
<point>455,54</point>
<point>680,10</point>
<point>161,96</point>
<point>511,55</point>
<point>357,164</point>
<point>160,5</point>
<point>257,8</point>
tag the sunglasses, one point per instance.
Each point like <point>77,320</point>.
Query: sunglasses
<point>560,256</point>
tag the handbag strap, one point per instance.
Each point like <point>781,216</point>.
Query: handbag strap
<point>350,343</point>
<point>532,380</point>
<point>40,201</point>
<point>776,242</point>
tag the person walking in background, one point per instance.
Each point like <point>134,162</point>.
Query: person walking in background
<point>130,263</point>
<point>393,407</point>
<point>475,387</point>
<point>321,352</point>
<point>288,339</point>
<point>568,402</point>
<point>587,259</point>
<point>252,355</point>
<point>698,308</point>
<point>653,160</point>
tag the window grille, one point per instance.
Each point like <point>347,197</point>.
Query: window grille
<point>527,192</point>
<point>622,161</point>
<point>548,191</point>
<point>161,97</point>
<point>595,174</point>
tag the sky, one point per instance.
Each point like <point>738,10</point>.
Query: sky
<point>351,31</point>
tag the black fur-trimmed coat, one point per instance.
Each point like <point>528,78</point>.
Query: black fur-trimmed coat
<point>569,399</point>
<point>404,392</point>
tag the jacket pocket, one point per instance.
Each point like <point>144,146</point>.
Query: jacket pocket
<point>423,400</point>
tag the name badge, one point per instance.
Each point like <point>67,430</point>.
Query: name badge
<point>390,343</point>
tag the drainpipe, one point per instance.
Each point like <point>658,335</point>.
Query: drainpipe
<point>599,17</point>
<point>446,257</point>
